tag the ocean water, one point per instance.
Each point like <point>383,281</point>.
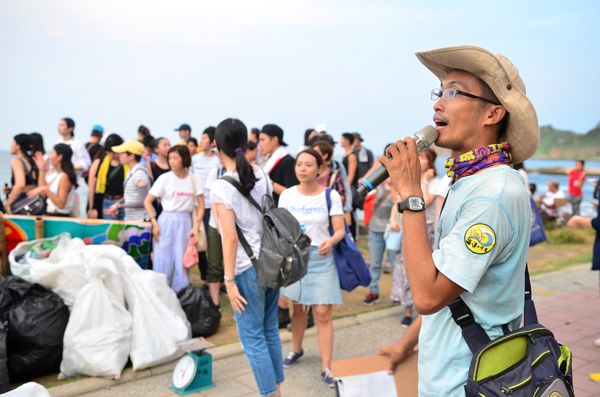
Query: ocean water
<point>541,180</point>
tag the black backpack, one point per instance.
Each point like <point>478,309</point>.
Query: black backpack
<point>284,249</point>
<point>525,362</point>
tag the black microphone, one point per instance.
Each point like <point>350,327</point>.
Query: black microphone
<point>424,138</point>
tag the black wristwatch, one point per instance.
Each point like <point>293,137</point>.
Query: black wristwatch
<point>414,204</point>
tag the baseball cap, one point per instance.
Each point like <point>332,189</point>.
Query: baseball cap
<point>185,127</point>
<point>130,146</point>
<point>273,130</point>
<point>98,128</point>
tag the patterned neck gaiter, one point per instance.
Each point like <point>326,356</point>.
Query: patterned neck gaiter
<point>476,160</point>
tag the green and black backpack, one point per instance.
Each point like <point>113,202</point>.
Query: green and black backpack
<point>527,362</point>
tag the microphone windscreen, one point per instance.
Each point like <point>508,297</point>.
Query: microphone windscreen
<point>425,137</point>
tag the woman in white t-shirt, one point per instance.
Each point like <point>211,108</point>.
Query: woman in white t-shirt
<point>320,287</point>
<point>254,308</point>
<point>61,190</point>
<point>179,191</point>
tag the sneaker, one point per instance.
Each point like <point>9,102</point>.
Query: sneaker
<point>406,321</point>
<point>328,378</point>
<point>387,268</point>
<point>292,358</point>
<point>395,303</point>
<point>371,299</point>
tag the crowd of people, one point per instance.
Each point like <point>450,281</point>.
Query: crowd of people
<point>178,188</point>
<point>463,234</point>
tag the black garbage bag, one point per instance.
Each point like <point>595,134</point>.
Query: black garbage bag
<point>37,319</point>
<point>204,316</point>
<point>4,381</point>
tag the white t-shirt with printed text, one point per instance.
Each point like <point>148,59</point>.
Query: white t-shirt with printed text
<point>176,194</point>
<point>311,212</point>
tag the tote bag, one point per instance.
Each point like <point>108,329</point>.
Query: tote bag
<point>351,266</point>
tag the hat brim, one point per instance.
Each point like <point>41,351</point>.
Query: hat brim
<point>522,131</point>
<point>125,149</point>
<point>119,149</point>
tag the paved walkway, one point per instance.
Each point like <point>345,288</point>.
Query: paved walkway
<point>568,302</point>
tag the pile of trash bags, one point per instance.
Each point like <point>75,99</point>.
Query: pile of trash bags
<point>32,324</point>
<point>117,310</point>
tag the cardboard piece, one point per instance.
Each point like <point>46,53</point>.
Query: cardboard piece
<point>406,375</point>
<point>194,345</point>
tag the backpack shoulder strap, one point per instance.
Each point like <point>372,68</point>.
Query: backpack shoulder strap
<point>328,200</point>
<point>529,314</point>
<point>241,237</point>
<point>238,186</point>
<point>472,332</point>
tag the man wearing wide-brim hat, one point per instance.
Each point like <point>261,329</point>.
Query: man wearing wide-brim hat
<point>484,117</point>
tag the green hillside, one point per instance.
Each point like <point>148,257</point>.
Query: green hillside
<point>562,144</point>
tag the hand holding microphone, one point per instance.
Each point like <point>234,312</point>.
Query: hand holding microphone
<point>423,138</point>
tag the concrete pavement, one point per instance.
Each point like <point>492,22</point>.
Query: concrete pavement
<point>568,303</point>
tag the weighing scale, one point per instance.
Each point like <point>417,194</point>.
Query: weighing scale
<point>193,371</point>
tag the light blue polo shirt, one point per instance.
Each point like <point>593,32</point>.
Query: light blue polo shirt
<point>481,244</point>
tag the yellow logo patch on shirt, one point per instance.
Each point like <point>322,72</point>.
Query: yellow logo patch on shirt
<point>480,239</point>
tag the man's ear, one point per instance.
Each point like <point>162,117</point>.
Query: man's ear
<point>494,115</point>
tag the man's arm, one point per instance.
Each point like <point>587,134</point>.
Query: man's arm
<point>399,351</point>
<point>431,289</point>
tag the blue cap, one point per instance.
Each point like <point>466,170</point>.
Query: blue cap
<point>185,127</point>
<point>98,128</point>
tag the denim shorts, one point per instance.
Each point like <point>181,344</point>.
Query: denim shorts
<point>320,286</point>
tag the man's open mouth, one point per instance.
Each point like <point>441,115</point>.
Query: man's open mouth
<point>439,123</point>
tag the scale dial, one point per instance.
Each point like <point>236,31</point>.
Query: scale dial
<point>184,372</point>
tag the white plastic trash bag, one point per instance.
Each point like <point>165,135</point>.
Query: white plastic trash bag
<point>98,337</point>
<point>19,258</point>
<point>62,272</point>
<point>158,320</point>
<point>30,389</point>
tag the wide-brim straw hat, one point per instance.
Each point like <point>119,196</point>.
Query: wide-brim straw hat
<point>522,132</point>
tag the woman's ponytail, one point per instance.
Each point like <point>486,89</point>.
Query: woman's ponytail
<point>244,169</point>
<point>231,137</point>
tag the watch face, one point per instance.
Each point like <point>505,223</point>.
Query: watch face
<point>415,203</point>
<point>184,372</point>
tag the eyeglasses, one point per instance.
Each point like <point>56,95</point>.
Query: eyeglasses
<point>449,94</point>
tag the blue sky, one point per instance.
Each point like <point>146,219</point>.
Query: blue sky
<point>348,64</point>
